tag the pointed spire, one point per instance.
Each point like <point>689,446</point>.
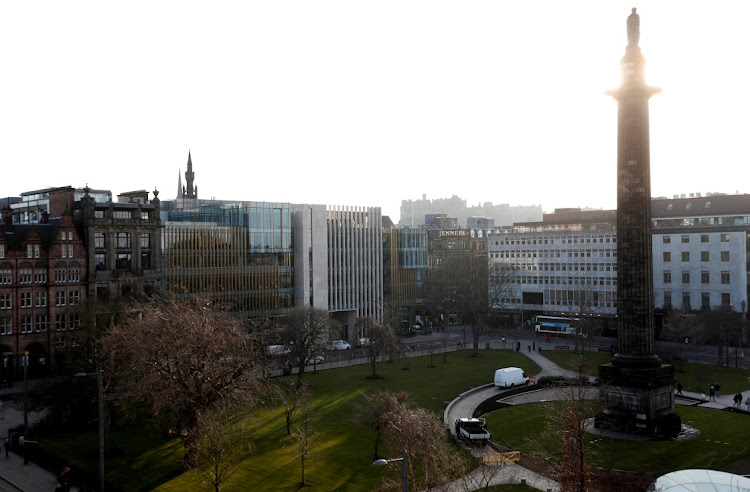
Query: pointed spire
<point>179,183</point>
<point>190,189</point>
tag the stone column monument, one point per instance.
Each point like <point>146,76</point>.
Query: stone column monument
<point>636,393</point>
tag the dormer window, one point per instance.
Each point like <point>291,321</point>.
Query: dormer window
<point>708,205</point>
<point>688,205</point>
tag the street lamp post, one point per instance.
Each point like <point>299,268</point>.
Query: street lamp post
<point>404,476</point>
<point>100,394</point>
<point>25,364</point>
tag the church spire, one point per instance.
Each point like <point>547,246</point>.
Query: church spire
<point>179,184</point>
<point>190,190</point>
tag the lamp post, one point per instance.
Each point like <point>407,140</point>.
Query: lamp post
<point>25,364</point>
<point>404,476</point>
<point>100,390</point>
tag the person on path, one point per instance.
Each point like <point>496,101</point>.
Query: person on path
<point>7,448</point>
<point>528,347</point>
<point>679,388</point>
<point>711,394</point>
<point>747,402</point>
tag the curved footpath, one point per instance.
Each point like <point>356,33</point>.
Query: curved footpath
<point>465,404</point>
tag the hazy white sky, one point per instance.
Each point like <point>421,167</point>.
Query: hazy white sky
<point>368,103</point>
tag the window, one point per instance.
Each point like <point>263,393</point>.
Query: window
<point>705,277</point>
<point>25,298</point>
<point>667,300</point>
<point>122,261</point>
<point>27,324</point>
<point>74,297</point>
<point>60,274</point>
<point>725,256</point>
<point>74,274</point>
<point>64,249</point>
<point>59,298</point>
<point>25,276</point>
<point>40,275</point>
<point>725,238</point>
<point>123,214</point>
<point>144,215</point>
<point>29,251</point>
<point>99,260</point>
<point>99,240</point>
<point>41,322</point>
<point>6,276</point>
<point>685,238</point>
<point>99,214</point>
<point>666,239</point>
<point>686,256</point>
<point>6,301</point>
<point>145,261</point>
<point>6,326</point>
<point>2,251</point>
<point>61,322</point>
<point>145,241</point>
<point>725,278</point>
<point>685,277</point>
<point>704,238</point>
<point>667,256</point>
<point>41,299</point>
<point>70,235</point>
<point>667,276</point>
<point>122,240</point>
<point>705,301</point>
<point>686,300</point>
<point>704,255</point>
<point>75,321</point>
<point>726,298</point>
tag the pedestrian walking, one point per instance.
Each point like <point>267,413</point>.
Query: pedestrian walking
<point>711,393</point>
<point>528,347</point>
<point>738,400</point>
<point>747,402</point>
<point>679,388</point>
<point>7,448</point>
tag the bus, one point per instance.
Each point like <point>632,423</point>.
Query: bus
<point>560,326</point>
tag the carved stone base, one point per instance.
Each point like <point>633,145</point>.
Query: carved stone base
<point>638,401</point>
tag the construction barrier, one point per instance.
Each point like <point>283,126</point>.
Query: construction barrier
<point>499,458</point>
<point>532,379</point>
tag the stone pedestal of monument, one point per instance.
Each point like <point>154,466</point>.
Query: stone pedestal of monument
<point>638,400</point>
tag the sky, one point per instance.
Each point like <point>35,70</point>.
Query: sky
<point>367,103</point>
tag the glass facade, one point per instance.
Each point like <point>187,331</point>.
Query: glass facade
<point>238,254</point>
<point>404,260</point>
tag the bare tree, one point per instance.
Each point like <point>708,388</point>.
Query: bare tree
<point>681,325</point>
<point>223,439</point>
<point>721,326</point>
<point>184,358</point>
<point>420,435</point>
<point>289,393</point>
<point>307,329</point>
<point>376,412</point>
<point>382,338</point>
<point>305,435</point>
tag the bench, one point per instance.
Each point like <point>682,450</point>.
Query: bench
<point>562,347</point>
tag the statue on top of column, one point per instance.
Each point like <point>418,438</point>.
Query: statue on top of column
<point>634,29</point>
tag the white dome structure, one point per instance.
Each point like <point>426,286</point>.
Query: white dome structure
<point>700,481</point>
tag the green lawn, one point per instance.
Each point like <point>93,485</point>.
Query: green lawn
<point>343,460</point>
<point>697,377</point>
<point>724,437</point>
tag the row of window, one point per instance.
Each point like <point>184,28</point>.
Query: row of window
<point>685,255</point>
<point>39,275</point>
<point>705,277</point>
<point>572,253</point>
<point>122,240</point>
<point>563,280</point>
<point>726,299</point>
<point>567,267</point>
<point>38,323</point>
<point>685,238</point>
<point>39,299</point>
<point>558,240</point>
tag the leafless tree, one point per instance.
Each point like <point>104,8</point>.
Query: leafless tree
<point>432,460</point>
<point>223,439</point>
<point>184,358</point>
<point>382,338</point>
<point>721,326</point>
<point>376,411</point>
<point>680,325</point>
<point>290,394</point>
<point>307,329</point>
<point>304,434</point>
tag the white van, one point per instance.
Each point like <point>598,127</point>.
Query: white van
<point>509,377</point>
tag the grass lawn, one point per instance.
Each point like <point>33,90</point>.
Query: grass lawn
<point>343,458</point>
<point>697,377</point>
<point>724,437</point>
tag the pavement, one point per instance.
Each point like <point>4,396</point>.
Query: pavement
<point>14,474</point>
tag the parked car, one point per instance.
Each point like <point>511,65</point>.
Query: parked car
<point>315,359</point>
<point>363,342</point>
<point>338,345</point>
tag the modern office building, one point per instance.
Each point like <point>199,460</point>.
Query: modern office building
<point>700,258</point>
<point>404,265</point>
